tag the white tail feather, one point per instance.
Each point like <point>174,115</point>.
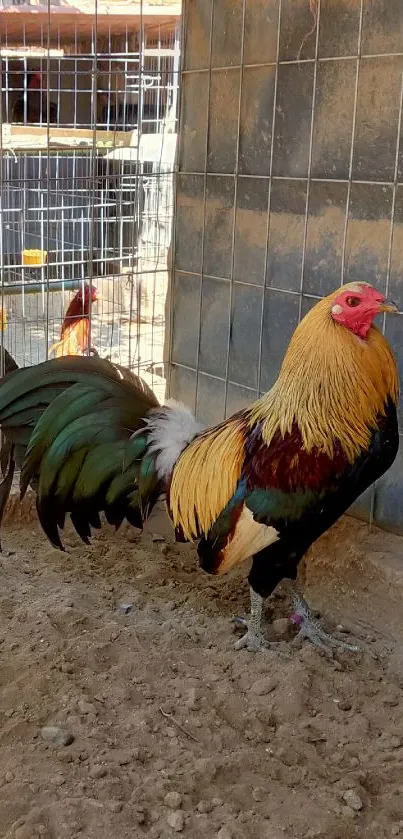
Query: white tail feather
<point>171,428</point>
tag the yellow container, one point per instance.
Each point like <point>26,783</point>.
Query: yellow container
<point>34,257</point>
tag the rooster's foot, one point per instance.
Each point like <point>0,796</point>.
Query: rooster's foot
<point>253,640</point>
<point>310,629</point>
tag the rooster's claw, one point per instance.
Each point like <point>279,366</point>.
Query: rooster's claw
<point>251,641</point>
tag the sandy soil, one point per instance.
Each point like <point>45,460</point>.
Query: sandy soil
<point>174,732</point>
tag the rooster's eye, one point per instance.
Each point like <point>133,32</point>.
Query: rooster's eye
<point>353,301</point>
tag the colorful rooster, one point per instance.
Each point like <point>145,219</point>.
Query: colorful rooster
<point>76,324</point>
<point>265,483</point>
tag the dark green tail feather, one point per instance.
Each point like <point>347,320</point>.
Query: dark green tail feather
<point>57,416</point>
<point>5,450</point>
<point>77,422</point>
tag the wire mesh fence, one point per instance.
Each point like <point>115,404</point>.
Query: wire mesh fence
<point>289,184</point>
<point>88,138</point>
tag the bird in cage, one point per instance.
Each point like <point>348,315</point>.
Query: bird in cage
<point>264,484</point>
<point>75,330</point>
<point>33,105</point>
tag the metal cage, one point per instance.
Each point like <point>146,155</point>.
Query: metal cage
<point>88,138</point>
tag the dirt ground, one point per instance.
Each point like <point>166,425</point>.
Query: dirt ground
<point>175,732</point>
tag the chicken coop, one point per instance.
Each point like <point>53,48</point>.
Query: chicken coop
<point>88,139</point>
<point>290,182</point>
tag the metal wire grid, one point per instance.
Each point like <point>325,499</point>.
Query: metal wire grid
<point>271,178</point>
<point>134,77</point>
<point>305,298</point>
<point>98,206</point>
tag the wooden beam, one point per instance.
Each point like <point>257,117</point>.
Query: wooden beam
<point>35,138</point>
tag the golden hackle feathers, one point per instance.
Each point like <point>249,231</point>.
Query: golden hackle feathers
<point>205,478</point>
<point>74,340</point>
<point>332,384</point>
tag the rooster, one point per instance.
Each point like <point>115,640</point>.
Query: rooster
<point>266,483</point>
<point>32,106</point>
<point>76,324</point>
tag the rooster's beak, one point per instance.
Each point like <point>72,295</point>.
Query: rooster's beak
<point>388,306</point>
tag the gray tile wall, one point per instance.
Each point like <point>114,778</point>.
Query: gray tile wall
<point>290,182</point>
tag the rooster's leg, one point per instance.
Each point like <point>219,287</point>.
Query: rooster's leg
<point>253,640</point>
<point>311,629</point>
